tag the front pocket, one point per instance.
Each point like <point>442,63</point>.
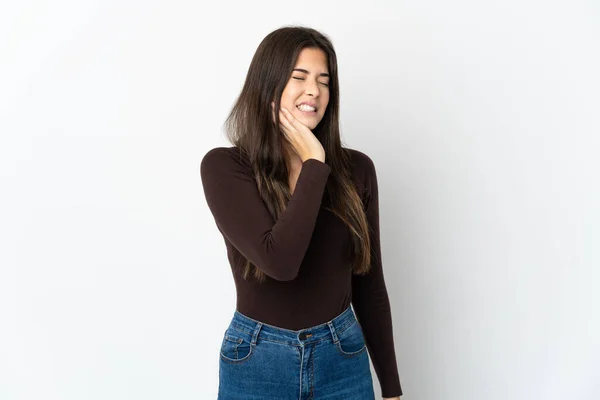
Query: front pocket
<point>351,342</point>
<point>236,346</point>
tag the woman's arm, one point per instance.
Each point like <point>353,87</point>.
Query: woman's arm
<point>369,295</point>
<point>276,247</point>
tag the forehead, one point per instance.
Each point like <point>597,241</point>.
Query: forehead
<point>314,60</point>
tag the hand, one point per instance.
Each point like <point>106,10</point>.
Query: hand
<point>303,141</point>
<point>392,398</point>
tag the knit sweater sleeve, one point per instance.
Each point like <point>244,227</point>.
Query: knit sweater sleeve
<point>277,247</point>
<point>370,298</point>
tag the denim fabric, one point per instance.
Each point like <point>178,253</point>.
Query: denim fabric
<point>324,362</point>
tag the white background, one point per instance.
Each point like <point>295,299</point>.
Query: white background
<point>482,119</point>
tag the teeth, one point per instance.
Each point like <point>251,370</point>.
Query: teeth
<point>304,107</point>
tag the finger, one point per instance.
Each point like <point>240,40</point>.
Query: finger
<point>285,118</point>
<point>288,117</point>
<point>286,127</point>
<point>288,114</point>
<point>295,122</point>
<point>286,122</point>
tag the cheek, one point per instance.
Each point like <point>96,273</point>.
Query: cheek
<point>290,106</point>
<point>286,104</point>
<point>288,101</point>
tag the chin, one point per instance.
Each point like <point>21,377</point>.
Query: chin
<point>312,128</point>
<point>310,122</point>
<point>312,125</point>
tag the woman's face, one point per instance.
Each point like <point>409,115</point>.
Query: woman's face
<point>309,82</point>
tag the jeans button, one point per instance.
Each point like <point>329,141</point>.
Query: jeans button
<point>302,335</point>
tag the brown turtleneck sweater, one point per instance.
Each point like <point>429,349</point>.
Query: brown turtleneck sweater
<point>305,253</point>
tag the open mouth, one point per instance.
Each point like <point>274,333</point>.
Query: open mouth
<point>307,109</point>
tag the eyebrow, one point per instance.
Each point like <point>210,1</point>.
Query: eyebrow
<point>306,72</point>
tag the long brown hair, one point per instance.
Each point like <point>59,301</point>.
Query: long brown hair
<point>251,128</point>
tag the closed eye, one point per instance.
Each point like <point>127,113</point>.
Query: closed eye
<point>301,79</point>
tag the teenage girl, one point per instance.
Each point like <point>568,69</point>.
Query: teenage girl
<point>299,215</point>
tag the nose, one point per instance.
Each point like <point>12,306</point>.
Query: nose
<point>312,89</point>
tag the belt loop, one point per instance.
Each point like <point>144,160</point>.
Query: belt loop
<point>333,334</point>
<point>256,330</point>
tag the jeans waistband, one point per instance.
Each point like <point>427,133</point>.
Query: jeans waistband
<point>331,328</point>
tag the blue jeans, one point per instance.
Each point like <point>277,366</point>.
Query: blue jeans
<point>324,362</point>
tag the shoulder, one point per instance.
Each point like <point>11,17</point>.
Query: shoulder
<point>362,165</point>
<point>219,159</point>
<point>362,172</point>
